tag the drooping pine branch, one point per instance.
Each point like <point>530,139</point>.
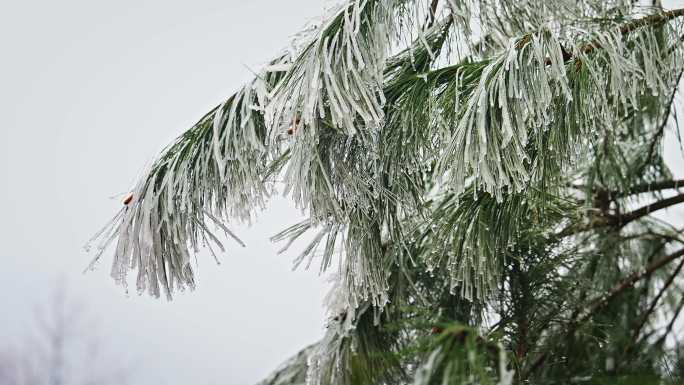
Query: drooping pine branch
<point>428,164</point>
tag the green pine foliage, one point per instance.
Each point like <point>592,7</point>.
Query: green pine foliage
<point>486,177</point>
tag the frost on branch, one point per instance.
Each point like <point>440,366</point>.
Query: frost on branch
<point>212,174</point>
<point>531,111</point>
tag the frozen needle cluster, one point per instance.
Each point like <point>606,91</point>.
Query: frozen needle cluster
<point>459,162</point>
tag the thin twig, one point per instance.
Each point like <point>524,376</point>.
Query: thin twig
<point>650,20</point>
<point>630,281</point>
<point>601,301</point>
<point>670,326</point>
<point>433,13</point>
<point>655,300</point>
<point>650,187</point>
<point>643,211</point>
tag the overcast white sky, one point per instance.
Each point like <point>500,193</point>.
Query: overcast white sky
<point>89,91</point>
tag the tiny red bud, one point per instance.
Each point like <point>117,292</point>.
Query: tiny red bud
<point>128,199</point>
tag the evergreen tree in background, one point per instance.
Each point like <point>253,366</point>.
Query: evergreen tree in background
<point>486,178</point>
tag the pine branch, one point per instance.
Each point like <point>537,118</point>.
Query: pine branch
<point>291,372</point>
<point>597,303</point>
<point>603,219</point>
<point>656,299</point>
<point>629,282</point>
<point>650,20</point>
<point>671,324</point>
<point>624,219</point>
<point>363,140</point>
<point>649,187</point>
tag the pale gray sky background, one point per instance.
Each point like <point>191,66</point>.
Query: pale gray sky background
<point>89,91</point>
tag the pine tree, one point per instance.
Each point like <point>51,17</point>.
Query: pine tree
<point>486,177</point>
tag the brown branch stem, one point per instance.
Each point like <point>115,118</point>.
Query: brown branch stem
<point>618,289</point>
<point>670,326</point>
<point>630,281</point>
<point>643,211</point>
<point>655,300</point>
<point>650,187</point>
<point>650,20</point>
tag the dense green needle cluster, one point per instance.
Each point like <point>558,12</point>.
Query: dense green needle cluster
<point>486,176</point>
